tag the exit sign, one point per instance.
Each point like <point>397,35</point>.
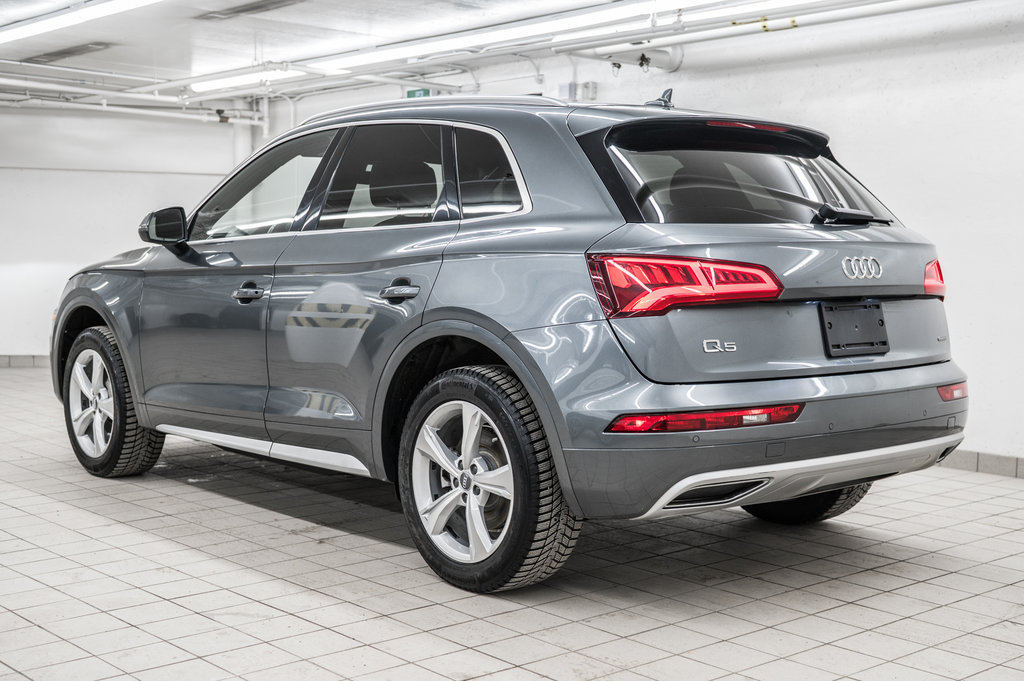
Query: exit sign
<point>418,92</point>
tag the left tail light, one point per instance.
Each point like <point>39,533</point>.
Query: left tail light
<point>632,286</point>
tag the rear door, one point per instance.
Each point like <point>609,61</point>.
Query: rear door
<point>353,284</point>
<point>204,313</point>
<point>734,271</point>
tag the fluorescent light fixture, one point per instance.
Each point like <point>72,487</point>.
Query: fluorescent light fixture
<point>76,14</point>
<point>244,79</point>
<point>613,14</point>
<point>560,28</point>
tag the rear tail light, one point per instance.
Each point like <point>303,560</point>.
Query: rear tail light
<point>957,391</point>
<point>706,420</point>
<point>631,286</point>
<point>933,282</point>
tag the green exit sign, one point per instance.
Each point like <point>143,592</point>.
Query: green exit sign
<point>418,92</point>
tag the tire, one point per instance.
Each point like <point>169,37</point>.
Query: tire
<point>490,516</point>
<point>811,508</point>
<point>99,410</point>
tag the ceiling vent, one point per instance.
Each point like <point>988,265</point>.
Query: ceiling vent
<point>248,8</point>
<point>68,53</point>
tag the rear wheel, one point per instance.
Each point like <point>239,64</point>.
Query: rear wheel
<point>478,485</point>
<point>99,410</point>
<point>811,508</point>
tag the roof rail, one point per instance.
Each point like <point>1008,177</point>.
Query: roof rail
<point>442,100</point>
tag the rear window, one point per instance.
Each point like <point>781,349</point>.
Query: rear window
<point>695,174</point>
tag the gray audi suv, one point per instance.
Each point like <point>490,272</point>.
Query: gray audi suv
<point>526,313</point>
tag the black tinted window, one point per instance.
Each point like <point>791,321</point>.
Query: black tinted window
<point>388,175</point>
<point>262,197</point>
<point>719,179</point>
<point>487,185</point>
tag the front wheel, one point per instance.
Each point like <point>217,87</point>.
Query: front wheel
<point>810,508</point>
<point>478,486</point>
<point>99,410</point>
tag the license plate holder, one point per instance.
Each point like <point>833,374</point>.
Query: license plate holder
<point>852,329</point>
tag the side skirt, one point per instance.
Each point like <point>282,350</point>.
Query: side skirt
<point>318,458</point>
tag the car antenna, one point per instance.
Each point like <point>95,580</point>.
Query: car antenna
<point>665,101</point>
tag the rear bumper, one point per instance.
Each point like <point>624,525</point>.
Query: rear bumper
<point>862,417</point>
<point>775,482</point>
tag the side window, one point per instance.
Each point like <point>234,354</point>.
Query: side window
<point>486,182</point>
<point>390,174</point>
<point>262,197</point>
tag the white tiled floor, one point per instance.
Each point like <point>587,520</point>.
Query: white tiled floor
<point>218,566</point>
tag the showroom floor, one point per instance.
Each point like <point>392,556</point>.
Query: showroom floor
<point>217,565</point>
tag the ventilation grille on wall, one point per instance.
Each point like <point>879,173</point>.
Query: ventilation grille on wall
<point>248,8</point>
<point>68,52</point>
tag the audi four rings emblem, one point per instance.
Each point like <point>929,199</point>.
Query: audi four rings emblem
<point>862,268</point>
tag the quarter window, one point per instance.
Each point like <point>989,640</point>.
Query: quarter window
<point>262,197</point>
<point>390,174</point>
<point>487,185</point>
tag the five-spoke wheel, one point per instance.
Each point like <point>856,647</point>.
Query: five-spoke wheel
<point>99,410</point>
<point>462,481</point>
<point>91,403</point>
<point>478,485</point>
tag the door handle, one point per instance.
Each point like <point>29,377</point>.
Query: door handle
<point>247,293</point>
<point>399,293</point>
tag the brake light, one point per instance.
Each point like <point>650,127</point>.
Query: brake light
<point>933,282</point>
<point>632,286</point>
<point>706,420</point>
<point>957,391</point>
<point>749,126</point>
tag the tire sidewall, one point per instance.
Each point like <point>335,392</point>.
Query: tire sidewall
<point>93,339</point>
<point>495,570</point>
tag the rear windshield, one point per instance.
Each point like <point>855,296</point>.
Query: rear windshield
<point>705,176</point>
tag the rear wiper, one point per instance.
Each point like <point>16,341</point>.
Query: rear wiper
<point>829,214</point>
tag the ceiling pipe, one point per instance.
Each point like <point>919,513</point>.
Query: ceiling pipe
<point>813,18</point>
<point>36,103</point>
<point>76,70</point>
<point>78,90</point>
<point>245,70</point>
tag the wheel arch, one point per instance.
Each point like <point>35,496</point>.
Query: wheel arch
<point>81,309</point>
<point>445,343</point>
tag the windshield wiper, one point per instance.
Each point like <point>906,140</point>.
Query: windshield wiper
<point>829,214</point>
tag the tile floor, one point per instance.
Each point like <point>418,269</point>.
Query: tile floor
<point>218,566</point>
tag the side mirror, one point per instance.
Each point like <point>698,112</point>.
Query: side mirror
<point>167,227</point>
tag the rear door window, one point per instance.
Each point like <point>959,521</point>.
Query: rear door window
<point>389,175</point>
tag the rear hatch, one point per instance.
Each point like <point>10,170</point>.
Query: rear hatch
<point>751,254</point>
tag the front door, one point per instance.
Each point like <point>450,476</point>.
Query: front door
<point>203,316</point>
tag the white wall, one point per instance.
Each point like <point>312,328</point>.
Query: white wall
<point>924,108</point>
<point>73,189</point>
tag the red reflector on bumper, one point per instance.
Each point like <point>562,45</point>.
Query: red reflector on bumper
<point>706,420</point>
<point>957,391</point>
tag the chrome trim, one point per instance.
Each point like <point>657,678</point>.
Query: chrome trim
<point>335,461</point>
<point>796,478</point>
<point>318,458</point>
